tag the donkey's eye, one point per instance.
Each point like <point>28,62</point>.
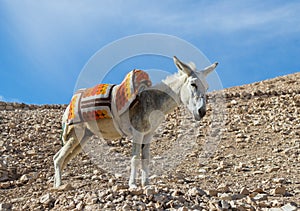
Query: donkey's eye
<point>194,85</point>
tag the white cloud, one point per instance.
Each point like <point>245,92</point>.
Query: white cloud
<point>48,24</point>
<point>51,31</point>
<point>5,99</point>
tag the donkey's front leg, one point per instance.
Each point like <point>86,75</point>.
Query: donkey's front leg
<point>135,160</point>
<point>145,163</point>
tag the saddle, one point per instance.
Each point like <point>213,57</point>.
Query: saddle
<point>95,103</point>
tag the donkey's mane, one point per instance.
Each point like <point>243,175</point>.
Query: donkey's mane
<point>175,78</point>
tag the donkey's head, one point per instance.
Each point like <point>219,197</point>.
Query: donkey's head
<point>193,91</point>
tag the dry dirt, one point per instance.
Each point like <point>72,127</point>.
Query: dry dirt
<point>244,155</point>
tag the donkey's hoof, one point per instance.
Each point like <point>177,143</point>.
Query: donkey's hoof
<point>144,184</point>
<point>56,185</point>
<point>132,186</point>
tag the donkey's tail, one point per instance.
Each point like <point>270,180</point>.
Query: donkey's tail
<point>62,133</point>
<point>64,126</point>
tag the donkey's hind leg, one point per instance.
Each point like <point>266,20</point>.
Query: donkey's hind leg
<point>61,155</point>
<point>71,140</point>
<point>78,148</point>
<point>135,160</point>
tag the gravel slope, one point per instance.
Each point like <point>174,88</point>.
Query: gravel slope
<point>254,162</point>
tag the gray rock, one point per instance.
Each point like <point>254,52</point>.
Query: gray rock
<point>244,191</point>
<point>46,199</point>
<point>5,206</point>
<point>150,190</point>
<point>289,207</point>
<point>196,192</point>
<point>279,190</point>
<point>260,197</point>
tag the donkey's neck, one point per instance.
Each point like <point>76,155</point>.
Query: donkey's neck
<point>169,93</point>
<point>175,82</point>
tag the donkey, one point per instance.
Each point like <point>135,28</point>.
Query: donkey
<point>140,120</point>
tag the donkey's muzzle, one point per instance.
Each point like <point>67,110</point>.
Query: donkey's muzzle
<point>202,112</point>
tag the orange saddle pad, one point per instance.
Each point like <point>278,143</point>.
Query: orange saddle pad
<point>134,82</point>
<point>95,103</point>
<point>91,104</point>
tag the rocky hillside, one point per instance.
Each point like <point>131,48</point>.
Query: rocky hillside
<point>251,163</point>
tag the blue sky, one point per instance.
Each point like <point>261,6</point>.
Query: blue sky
<point>45,44</point>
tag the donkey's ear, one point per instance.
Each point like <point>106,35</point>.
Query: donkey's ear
<point>209,69</point>
<point>182,66</point>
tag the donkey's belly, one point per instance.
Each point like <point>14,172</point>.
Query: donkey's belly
<point>104,128</point>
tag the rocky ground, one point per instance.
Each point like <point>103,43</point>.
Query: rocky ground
<point>244,155</point>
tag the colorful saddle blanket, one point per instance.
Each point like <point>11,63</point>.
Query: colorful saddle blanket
<point>95,103</point>
<point>91,104</point>
<point>134,82</point>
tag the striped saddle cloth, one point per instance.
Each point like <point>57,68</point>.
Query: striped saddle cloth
<point>95,103</point>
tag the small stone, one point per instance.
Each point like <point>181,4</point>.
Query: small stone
<point>202,171</point>
<point>244,191</point>
<point>279,180</point>
<point>149,191</point>
<point>259,190</point>
<point>5,206</point>
<point>95,177</point>
<point>31,152</point>
<point>275,203</point>
<point>260,197</point>
<point>46,199</point>
<point>225,205</point>
<point>196,192</point>
<point>224,188</point>
<point>11,125</point>
<point>289,207</point>
<point>243,206</point>
<point>9,107</point>
<point>30,137</point>
<point>233,102</point>
<point>65,187</point>
<point>257,172</point>
<point>262,204</point>
<point>118,176</point>
<point>119,187</point>
<point>279,190</point>
<point>91,200</point>
<point>211,206</point>
<point>183,209</point>
<point>275,209</point>
<point>223,164</point>
<point>136,191</point>
<point>256,122</point>
<point>212,192</point>
<point>272,169</point>
<point>240,167</point>
<point>79,206</point>
<point>126,207</point>
<point>4,185</point>
<point>224,196</point>
<point>176,193</point>
<point>24,178</point>
<point>287,151</point>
